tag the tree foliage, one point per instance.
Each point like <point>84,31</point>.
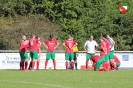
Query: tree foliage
<point>80,18</point>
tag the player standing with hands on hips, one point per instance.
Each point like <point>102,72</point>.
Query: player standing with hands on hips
<point>90,47</point>
<point>50,44</point>
<point>69,55</point>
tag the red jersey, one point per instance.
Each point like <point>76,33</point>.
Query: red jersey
<point>24,44</point>
<point>51,44</point>
<point>69,44</point>
<point>107,45</point>
<point>33,44</point>
<point>103,49</point>
<point>95,58</point>
<point>116,59</point>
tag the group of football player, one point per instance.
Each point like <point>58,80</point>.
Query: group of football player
<point>106,60</point>
<point>103,62</point>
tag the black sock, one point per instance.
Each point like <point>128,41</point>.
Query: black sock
<point>76,65</point>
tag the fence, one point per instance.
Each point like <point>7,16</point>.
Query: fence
<point>9,59</point>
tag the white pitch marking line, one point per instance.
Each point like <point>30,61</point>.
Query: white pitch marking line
<point>100,81</point>
<point>24,82</point>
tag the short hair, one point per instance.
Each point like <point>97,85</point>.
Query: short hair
<point>51,36</point>
<point>32,35</point>
<point>104,35</point>
<point>23,35</point>
<point>69,36</point>
<point>72,37</point>
<point>37,36</point>
<point>101,37</point>
<point>91,36</point>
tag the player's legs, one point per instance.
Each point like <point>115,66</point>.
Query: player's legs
<point>111,54</point>
<point>31,55</point>
<point>118,64</point>
<point>26,60</point>
<point>70,65</point>
<point>38,61</point>
<point>22,60</point>
<point>72,60</point>
<point>99,62</point>
<point>112,63</point>
<point>34,58</point>
<point>106,63</point>
<point>88,56</point>
<point>67,55</point>
<point>48,55</point>
<point>75,59</point>
<point>20,65</point>
<point>107,57</point>
<point>30,65</point>
<point>53,58</point>
<point>94,65</point>
<point>101,68</point>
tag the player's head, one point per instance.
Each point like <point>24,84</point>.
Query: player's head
<point>23,37</point>
<point>72,38</point>
<point>101,38</point>
<point>104,36</point>
<point>33,36</point>
<point>69,37</point>
<point>91,37</point>
<point>51,37</point>
<point>107,36</point>
<point>38,37</point>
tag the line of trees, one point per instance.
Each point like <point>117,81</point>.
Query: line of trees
<point>80,18</point>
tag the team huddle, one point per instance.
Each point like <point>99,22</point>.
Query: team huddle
<point>106,61</point>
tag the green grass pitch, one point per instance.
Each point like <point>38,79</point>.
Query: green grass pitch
<point>66,79</point>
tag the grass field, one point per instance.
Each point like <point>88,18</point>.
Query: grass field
<point>66,79</point>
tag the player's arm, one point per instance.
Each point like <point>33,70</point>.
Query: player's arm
<point>65,45</point>
<point>28,45</point>
<point>112,43</point>
<point>96,48</point>
<point>75,44</point>
<point>102,48</point>
<point>57,45</point>
<point>39,43</point>
<point>85,48</point>
<point>91,61</point>
<point>45,45</point>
